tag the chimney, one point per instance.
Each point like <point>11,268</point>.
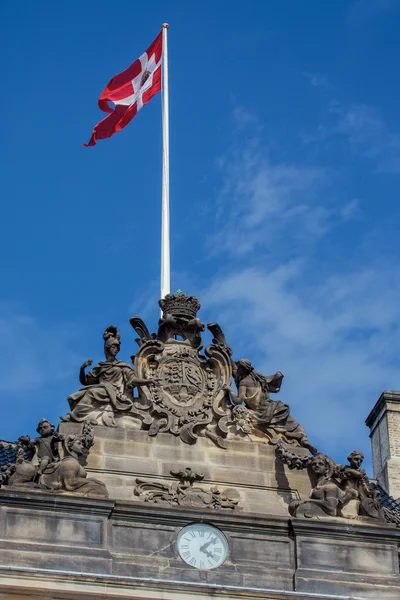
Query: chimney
<point>384,423</point>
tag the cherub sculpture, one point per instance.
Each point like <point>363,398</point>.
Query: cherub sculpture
<point>357,488</point>
<point>46,445</point>
<point>337,490</point>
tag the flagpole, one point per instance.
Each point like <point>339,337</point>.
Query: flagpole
<point>165,227</point>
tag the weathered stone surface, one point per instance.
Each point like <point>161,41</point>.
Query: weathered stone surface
<point>265,484</point>
<point>105,543</point>
<point>384,423</point>
<point>363,561</point>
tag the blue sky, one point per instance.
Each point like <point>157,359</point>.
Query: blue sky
<point>285,179</point>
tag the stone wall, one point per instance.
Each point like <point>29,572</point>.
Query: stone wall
<point>66,547</point>
<point>120,456</point>
<point>384,423</point>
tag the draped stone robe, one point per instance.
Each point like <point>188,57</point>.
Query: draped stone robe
<point>108,383</point>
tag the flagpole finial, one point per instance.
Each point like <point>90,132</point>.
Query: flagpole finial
<point>165,26</point>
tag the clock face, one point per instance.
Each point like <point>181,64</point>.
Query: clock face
<point>202,546</point>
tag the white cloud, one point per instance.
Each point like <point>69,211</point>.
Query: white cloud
<point>318,80</point>
<point>332,327</point>
<point>331,339</point>
<point>365,131</point>
<point>262,203</point>
<point>350,210</point>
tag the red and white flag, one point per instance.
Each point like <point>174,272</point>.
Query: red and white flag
<point>129,91</point>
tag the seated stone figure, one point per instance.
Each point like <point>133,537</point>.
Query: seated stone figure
<point>46,445</point>
<point>253,390</point>
<point>359,497</point>
<point>68,475</point>
<point>108,388</point>
<point>22,474</point>
<point>325,496</point>
<point>57,476</point>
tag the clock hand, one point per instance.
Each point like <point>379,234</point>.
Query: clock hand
<point>204,546</point>
<point>207,553</point>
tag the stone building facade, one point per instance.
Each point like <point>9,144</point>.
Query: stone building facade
<point>384,423</point>
<point>199,486</point>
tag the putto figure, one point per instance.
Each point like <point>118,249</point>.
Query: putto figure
<point>46,445</point>
<point>359,496</point>
<point>108,388</point>
<point>268,415</point>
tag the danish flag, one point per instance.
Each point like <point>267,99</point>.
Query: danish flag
<point>129,91</point>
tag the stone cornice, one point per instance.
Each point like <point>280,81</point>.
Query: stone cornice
<point>136,512</point>
<point>342,529</point>
<point>392,396</point>
<point>56,502</point>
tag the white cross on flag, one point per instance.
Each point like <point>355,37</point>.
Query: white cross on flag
<point>129,91</point>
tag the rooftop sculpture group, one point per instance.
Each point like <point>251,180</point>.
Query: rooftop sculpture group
<point>186,393</point>
<point>181,390</point>
<point>38,465</point>
<point>337,490</point>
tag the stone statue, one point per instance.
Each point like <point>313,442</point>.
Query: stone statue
<point>20,474</point>
<point>253,390</point>
<point>325,495</point>
<point>46,445</point>
<point>108,388</point>
<point>359,496</point>
<point>52,474</point>
<point>338,490</point>
<point>68,475</point>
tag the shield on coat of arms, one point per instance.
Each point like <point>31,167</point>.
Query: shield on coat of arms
<point>189,398</point>
<point>189,391</point>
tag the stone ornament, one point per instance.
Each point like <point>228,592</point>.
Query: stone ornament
<point>185,493</point>
<point>337,490</point>
<point>325,496</point>
<point>189,397</point>
<point>107,391</point>
<point>38,465</point>
<point>181,390</point>
<point>271,417</point>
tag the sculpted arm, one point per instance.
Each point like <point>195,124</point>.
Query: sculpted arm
<point>136,381</point>
<point>240,397</point>
<point>83,378</point>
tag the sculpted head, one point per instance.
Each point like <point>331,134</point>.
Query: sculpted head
<point>355,459</point>
<point>240,412</point>
<point>322,465</point>
<point>245,366</point>
<point>78,444</point>
<point>45,428</point>
<point>75,445</point>
<point>112,342</point>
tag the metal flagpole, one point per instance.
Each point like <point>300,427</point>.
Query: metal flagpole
<point>165,242</point>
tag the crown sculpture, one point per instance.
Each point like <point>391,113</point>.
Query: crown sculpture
<point>189,394</point>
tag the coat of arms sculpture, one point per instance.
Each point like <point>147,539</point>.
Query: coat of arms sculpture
<point>182,390</point>
<point>189,391</point>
